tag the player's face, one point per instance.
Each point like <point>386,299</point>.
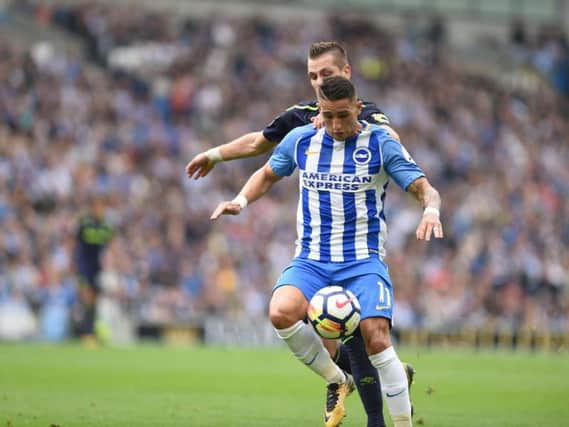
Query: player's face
<point>341,117</point>
<point>325,66</point>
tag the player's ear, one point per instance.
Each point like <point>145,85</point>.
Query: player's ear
<point>347,71</point>
<point>359,106</point>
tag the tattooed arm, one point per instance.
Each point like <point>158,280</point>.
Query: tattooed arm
<point>429,197</point>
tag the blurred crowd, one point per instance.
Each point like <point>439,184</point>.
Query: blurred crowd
<point>545,50</point>
<point>122,130</point>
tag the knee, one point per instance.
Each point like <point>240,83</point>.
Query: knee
<point>287,307</point>
<point>284,315</point>
<point>281,318</point>
<point>376,335</point>
<point>377,343</point>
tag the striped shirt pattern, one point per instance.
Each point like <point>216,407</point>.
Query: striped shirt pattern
<point>342,184</point>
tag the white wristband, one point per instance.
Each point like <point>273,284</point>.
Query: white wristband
<point>241,200</point>
<point>214,154</point>
<point>431,210</point>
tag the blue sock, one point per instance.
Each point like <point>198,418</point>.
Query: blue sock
<point>366,378</point>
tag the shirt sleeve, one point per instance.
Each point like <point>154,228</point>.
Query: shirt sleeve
<point>283,159</point>
<point>372,114</point>
<point>295,116</point>
<point>397,162</point>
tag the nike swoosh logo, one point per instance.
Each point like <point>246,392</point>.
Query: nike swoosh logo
<point>395,394</point>
<point>341,305</point>
<point>308,152</point>
<point>313,359</point>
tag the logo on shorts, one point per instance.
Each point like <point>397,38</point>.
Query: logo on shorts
<point>362,155</point>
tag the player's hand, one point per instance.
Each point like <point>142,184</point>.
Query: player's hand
<point>199,166</point>
<point>430,225</point>
<point>226,208</point>
<point>317,121</point>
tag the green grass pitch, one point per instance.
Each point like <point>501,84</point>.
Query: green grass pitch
<point>69,385</point>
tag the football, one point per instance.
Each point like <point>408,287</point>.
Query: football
<point>334,312</point>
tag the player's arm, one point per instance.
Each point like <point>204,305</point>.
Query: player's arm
<point>257,185</point>
<point>249,145</point>
<point>404,170</point>
<point>430,198</point>
<point>282,163</point>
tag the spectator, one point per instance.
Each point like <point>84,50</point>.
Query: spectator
<point>68,129</point>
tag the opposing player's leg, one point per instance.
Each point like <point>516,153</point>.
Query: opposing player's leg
<point>376,310</point>
<point>366,379</point>
<point>338,353</point>
<point>287,311</point>
<point>351,357</point>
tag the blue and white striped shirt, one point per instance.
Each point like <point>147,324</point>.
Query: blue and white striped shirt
<point>342,184</point>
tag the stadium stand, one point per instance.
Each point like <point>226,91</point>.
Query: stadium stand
<point>152,90</point>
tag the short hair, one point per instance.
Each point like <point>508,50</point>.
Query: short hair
<point>336,88</point>
<point>320,48</point>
